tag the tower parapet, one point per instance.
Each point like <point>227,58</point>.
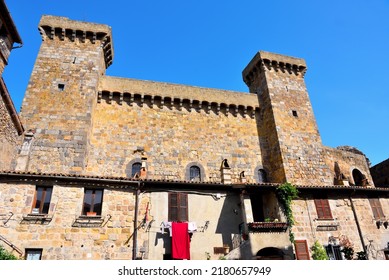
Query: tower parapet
<point>52,27</point>
<point>272,62</point>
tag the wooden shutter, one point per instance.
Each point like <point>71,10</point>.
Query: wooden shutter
<point>178,207</point>
<point>301,249</point>
<point>376,208</point>
<point>323,209</point>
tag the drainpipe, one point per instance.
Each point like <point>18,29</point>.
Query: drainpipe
<point>357,223</point>
<point>135,236</point>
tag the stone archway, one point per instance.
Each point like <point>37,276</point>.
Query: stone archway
<point>270,253</point>
<point>358,177</point>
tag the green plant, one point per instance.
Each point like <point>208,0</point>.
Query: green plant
<point>348,252</point>
<point>361,255</point>
<point>208,255</point>
<point>5,255</point>
<point>285,194</point>
<point>318,251</point>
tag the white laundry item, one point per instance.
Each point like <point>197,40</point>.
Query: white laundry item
<point>166,225</point>
<point>192,227</point>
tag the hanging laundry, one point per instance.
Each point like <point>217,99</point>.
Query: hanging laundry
<point>180,241</point>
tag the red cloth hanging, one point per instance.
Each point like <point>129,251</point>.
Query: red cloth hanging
<point>180,241</point>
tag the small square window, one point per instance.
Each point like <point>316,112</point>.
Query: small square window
<point>93,201</point>
<point>33,254</point>
<point>61,87</point>
<point>294,113</point>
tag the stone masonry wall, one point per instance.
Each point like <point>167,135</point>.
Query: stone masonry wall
<point>171,139</point>
<point>307,223</point>
<point>59,101</point>
<point>348,161</point>
<point>9,138</point>
<point>380,173</point>
<point>59,239</point>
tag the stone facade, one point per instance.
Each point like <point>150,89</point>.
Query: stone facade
<point>10,125</point>
<point>380,173</point>
<point>9,131</point>
<point>343,224</point>
<point>138,141</point>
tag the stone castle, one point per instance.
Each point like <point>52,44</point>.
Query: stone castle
<point>107,166</point>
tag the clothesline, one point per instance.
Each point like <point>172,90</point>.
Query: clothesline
<point>168,225</point>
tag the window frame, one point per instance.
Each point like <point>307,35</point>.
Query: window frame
<point>195,169</point>
<point>262,176</point>
<point>93,203</point>
<point>137,172</point>
<point>42,209</point>
<point>180,209</point>
<point>334,251</point>
<point>30,251</point>
<point>323,209</point>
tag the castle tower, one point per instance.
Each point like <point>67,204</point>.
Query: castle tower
<point>61,94</point>
<point>293,143</point>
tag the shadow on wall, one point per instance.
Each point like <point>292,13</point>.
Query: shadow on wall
<point>230,219</point>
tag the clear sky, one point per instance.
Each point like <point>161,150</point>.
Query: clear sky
<point>208,43</point>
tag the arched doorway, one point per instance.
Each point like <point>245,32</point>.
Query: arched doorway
<point>270,253</point>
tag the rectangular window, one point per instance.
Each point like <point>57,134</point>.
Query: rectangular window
<point>178,207</point>
<point>375,204</point>
<point>93,201</point>
<point>323,209</point>
<point>301,249</point>
<point>33,254</point>
<point>333,252</point>
<point>42,200</point>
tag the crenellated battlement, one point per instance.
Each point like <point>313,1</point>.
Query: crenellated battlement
<point>62,28</point>
<point>158,94</point>
<point>266,61</point>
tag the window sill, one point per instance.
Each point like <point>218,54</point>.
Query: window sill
<point>96,217</point>
<point>88,221</point>
<point>36,219</point>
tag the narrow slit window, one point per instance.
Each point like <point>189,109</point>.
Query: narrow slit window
<point>61,87</point>
<point>294,113</point>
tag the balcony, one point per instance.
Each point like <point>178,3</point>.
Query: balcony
<point>267,227</point>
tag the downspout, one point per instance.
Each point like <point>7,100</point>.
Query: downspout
<point>357,223</point>
<point>135,236</point>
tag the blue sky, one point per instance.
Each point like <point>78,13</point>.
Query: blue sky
<point>208,44</point>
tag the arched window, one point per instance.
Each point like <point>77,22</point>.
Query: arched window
<point>135,169</point>
<point>262,176</point>
<point>194,173</point>
<point>358,177</point>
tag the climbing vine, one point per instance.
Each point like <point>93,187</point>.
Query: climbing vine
<point>285,194</point>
